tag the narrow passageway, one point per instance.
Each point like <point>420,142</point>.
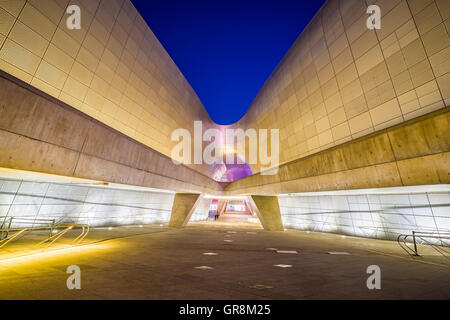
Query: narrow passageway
<point>224,260</point>
<point>235,219</point>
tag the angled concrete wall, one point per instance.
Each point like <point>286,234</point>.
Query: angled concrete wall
<point>416,152</point>
<point>184,205</point>
<point>44,135</point>
<point>114,69</point>
<point>268,211</point>
<point>341,81</point>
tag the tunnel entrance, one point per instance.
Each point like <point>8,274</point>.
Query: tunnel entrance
<point>232,211</point>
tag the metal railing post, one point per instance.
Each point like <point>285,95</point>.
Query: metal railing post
<point>415,243</point>
<point>51,228</point>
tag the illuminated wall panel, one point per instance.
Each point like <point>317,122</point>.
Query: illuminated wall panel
<point>201,212</point>
<point>95,205</point>
<point>374,213</point>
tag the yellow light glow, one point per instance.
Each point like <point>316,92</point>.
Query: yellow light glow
<point>209,196</point>
<point>229,150</point>
<point>50,253</point>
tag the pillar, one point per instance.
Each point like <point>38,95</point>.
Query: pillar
<point>268,211</point>
<point>184,205</point>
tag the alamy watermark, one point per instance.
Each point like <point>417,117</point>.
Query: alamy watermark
<point>374,21</point>
<point>74,280</point>
<point>374,281</point>
<point>73,22</point>
<point>220,144</point>
<point>224,146</point>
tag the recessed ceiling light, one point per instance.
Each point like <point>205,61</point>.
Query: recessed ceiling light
<point>210,254</point>
<point>226,240</point>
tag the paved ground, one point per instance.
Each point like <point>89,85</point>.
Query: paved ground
<point>154,262</point>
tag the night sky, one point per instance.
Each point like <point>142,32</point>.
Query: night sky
<point>227,49</point>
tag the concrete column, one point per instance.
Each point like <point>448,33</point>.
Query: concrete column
<point>221,206</point>
<point>268,211</point>
<point>184,205</point>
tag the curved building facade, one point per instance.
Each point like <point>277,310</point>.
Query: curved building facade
<point>356,109</point>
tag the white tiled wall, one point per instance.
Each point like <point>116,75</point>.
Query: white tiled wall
<point>94,205</point>
<point>380,213</point>
<point>202,211</point>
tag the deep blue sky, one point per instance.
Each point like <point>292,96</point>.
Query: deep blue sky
<point>227,49</point>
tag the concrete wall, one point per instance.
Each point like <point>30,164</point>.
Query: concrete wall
<point>416,152</point>
<point>375,213</point>
<point>70,203</point>
<point>268,211</point>
<point>341,81</point>
<point>183,207</point>
<point>338,82</point>
<point>188,208</point>
<point>113,69</point>
<point>44,135</point>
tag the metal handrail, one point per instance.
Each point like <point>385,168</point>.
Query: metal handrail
<point>4,234</point>
<point>52,238</point>
<point>423,236</point>
<point>23,220</point>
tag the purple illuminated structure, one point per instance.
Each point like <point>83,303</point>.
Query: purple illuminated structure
<point>231,172</point>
